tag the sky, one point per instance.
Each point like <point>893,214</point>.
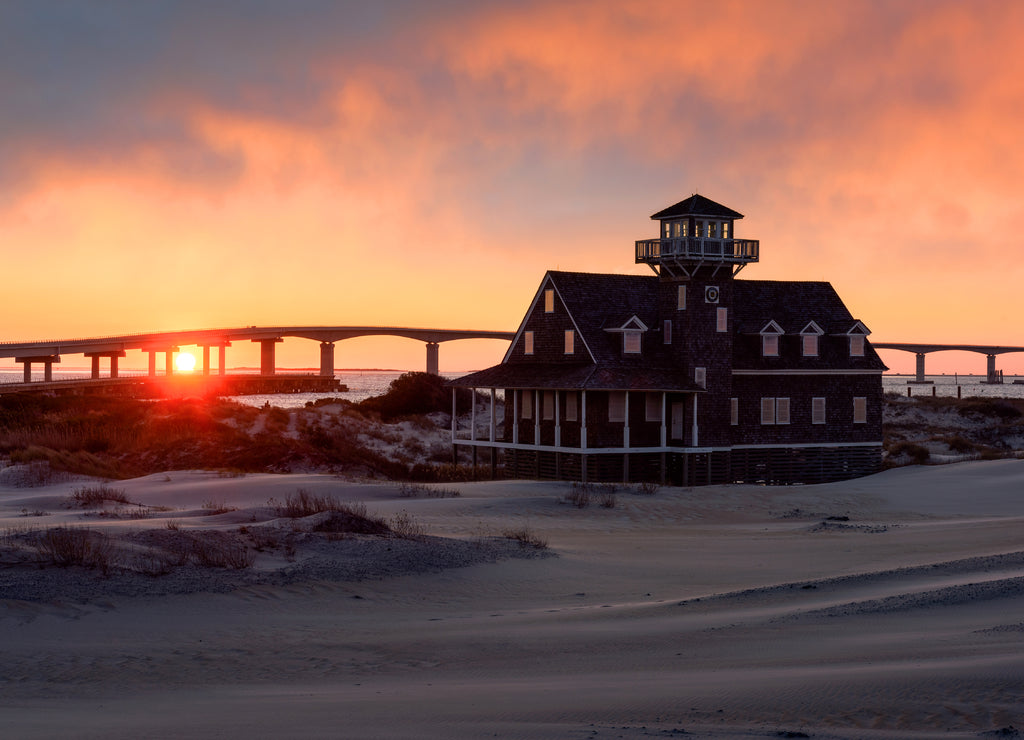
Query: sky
<point>183,165</point>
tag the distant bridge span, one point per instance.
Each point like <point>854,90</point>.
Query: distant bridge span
<point>49,352</point>
<point>990,351</point>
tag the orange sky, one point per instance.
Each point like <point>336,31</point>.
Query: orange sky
<point>187,165</point>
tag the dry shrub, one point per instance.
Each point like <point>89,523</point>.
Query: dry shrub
<point>93,496</point>
<point>216,552</point>
<point>302,503</point>
<point>352,519</point>
<point>608,500</point>
<point>918,454</point>
<point>526,537</point>
<point>405,527</point>
<point>579,495</point>
<point>647,488</point>
<point>66,546</point>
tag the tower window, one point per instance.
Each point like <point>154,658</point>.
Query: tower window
<point>667,331</point>
<point>725,230</point>
<point>549,301</point>
<point>722,320</point>
<point>700,376</point>
<point>817,410</point>
<point>713,229</point>
<point>528,343</point>
<point>681,298</point>
<point>734,411</point>
<point>570,341</point>
<point>860,410</point>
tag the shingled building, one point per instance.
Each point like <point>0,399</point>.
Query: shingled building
<point>688,376</point>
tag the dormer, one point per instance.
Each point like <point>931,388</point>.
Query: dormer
<point>809,336</point>
<point>770,334</point>
<point>632,331</point>
<point>696,232</point>
<point>857,335</point>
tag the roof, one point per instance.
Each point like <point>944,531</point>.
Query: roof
<point>697,205</point>
<point>548,376</point>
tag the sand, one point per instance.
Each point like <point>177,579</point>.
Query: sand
<point>884,607</point>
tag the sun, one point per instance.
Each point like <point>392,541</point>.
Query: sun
<point>185,362</point>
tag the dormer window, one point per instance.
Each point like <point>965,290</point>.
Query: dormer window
<point>631,332</point>
<point>770,339</point>
<point>857,335</point>
<point>809,339</point>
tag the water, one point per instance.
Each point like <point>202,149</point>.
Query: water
<point>366,383</point>
<point>361,384</point>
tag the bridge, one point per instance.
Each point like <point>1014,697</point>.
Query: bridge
<point>49,352</point>
<point>992,375</point>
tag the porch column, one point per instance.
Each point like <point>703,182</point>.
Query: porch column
<point>515,416</point>
<point>494,415</point>
<point>432,359</point>
<point>536,417</point>
<point>267,355</point>
<point>664,428</point>
<point>625,425</point>
<point>694,431</point>
<point>327,359</point>
<point>583,420</point>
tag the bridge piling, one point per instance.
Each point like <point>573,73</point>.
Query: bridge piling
<point>433,366</point>
<point>327,359</point>
<point>993,377</point>
<point>920,367</point>
<point>267,355</point>
<point>46,360</point>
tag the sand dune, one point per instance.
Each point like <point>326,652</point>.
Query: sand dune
<point>891,606</point>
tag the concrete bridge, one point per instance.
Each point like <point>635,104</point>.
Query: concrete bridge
<point>47,353</point>
<point>990,351</point>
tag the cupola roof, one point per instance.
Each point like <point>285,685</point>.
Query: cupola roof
<point>697,205</point>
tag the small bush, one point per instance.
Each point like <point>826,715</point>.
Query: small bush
<point>579,495</point>
<point>646,488</point>
<point>303,503</point>
<point>352,520</point>
<point>93,496</point>
<point>66,546</point>
<point>526,538</point>
<point>608,500</point>
<point>217,507</point>
<point>405,527</point>
<point>918,454</point>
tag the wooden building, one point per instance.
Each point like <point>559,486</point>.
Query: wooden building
<point>687,376</point>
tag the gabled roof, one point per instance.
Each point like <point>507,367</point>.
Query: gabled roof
<point>790,304</point>
<point>697,205</point>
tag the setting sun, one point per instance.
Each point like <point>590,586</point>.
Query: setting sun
<point>185,362</point>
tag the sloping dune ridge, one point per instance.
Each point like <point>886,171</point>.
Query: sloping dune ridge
<point>884,607</point>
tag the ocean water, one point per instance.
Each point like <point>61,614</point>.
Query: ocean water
<point>366,383</point>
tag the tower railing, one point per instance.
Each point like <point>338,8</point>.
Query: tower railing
<point>737,251</point>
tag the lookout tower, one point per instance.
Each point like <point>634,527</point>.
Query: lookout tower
<point>696,233</point>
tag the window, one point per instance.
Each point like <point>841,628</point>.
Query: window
<point>681,298</point>
<point>725,230</point>
<point>856,345</point>
<point>528,343</point>
<point>700,376</point>
<point>549,301</point>
<point>652,407</point>
<point>713,229</point>
<point>817,410</point>
<point>527,404</point>
<point>667,331</point>
<point>617,406</point>
<point>810,345</point>
<point>548,405</point>
<point>698,229</point>
<point>734,411</point>
<point>570,406</point>
<point>631,342</point>
<point>570,338</point>
<point>722,320</point>
<point>684,225</point>
<point>860,410</point>
<point>774,410</point>
<point>675,229</point>
<point>667,228</point>
<point>770,345</point>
